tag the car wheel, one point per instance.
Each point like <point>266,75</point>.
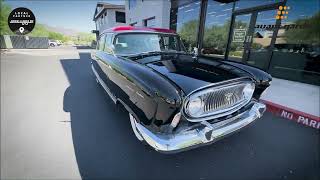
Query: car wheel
<point>51,45</point>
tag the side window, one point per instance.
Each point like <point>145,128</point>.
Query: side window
<point>102,42</point>
<point>108,43</point>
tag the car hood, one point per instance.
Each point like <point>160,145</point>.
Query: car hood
<point>190,74</point>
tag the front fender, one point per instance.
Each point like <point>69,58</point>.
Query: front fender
<point>260,76</point>
<point>154,99</point>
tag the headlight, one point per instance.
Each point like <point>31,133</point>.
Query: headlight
<point>248,91</point>
<point>195,106</point>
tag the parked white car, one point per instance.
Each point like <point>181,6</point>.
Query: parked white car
<point>54,43</point>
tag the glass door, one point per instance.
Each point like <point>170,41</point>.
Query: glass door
<point>259,50</point>
<point>251,37</point>
<point>240,37</point>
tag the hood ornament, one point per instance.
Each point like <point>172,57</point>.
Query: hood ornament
<point>228,96</point>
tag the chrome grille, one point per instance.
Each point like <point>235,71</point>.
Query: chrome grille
<point>223,98</point>
<point>218,100</point>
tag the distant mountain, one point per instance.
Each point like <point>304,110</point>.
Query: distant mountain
<point>64,31</point>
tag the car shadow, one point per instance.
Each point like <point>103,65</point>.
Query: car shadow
<point>106,147</point>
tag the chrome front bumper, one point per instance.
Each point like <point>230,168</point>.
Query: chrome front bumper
<point>198,136</point>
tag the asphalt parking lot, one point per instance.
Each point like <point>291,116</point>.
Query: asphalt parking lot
<point>56,123</point>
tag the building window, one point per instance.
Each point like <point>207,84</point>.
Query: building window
<point>185,20</point>
<point>97,25</point>
<point>132,3</point>
<point>120,17</point>
<point>216,28</point>
<point>296,53</point>
<point>150,22</point>
<point>105,18</point>
<point>102,19</point>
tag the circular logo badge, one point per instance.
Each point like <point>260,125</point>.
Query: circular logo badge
<point>21,21</point>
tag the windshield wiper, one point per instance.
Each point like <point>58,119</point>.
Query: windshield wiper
<point>152,53</point>
<point>144,54</point>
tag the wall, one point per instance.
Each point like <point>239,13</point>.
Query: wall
<point>149,8</point>
<point>23,42</point>
<point>110,20</point>
<point>296,51</point>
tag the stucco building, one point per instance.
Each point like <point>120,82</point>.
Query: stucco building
<point>149,13</point>
<point>108,15</point>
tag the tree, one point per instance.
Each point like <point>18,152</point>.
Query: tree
<point>188,33</point>
<point>4,13</point>
<point>39,31</point>
<point>217,36</point>
<point>309,33</point>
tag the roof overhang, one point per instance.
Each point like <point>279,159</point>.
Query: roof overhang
<point>105,6</point>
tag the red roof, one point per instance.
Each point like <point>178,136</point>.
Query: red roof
<point>135,28</point>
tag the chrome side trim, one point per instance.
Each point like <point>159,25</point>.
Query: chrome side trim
<point>201,135</point>
<point>139,94</point>
<point>105,87</point>
<point>132,120</point>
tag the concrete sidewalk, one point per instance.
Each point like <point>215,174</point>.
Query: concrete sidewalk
<point>36,133</point>
<point>295,101</point>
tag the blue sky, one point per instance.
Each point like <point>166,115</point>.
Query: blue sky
<point>73,14</point>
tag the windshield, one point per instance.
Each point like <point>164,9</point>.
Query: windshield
<point>135,43</point>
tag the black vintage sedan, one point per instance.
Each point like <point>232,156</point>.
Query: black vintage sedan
<point>175,100</point>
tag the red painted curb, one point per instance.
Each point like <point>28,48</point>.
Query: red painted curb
<point>292,114</point>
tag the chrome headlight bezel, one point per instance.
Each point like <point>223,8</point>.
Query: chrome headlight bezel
<point>194,105</point>
<point>198,94</point>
